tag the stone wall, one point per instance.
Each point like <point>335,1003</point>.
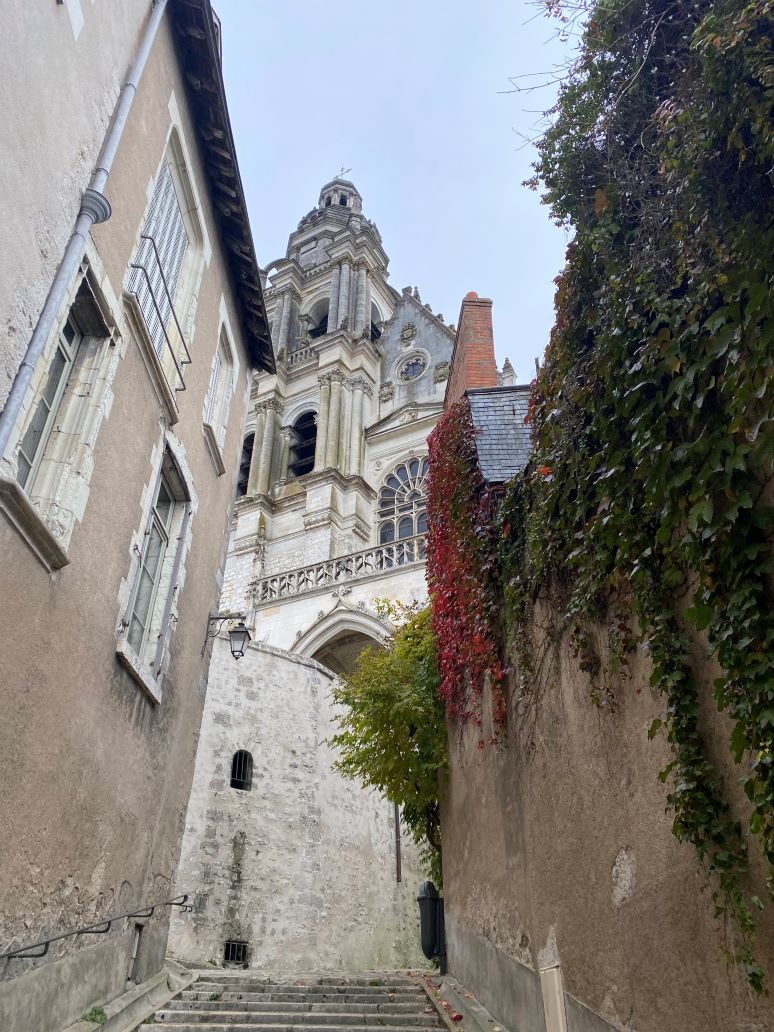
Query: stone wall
<point>558,850</point>
<point>303,865</point>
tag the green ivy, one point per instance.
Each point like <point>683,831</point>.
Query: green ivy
<point>652,414</point>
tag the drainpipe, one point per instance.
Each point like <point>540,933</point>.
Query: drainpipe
<point>94,208</point>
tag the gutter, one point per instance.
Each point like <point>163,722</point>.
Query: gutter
<point>94,209</point>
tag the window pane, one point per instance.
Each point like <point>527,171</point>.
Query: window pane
<point>406,527</point>
<point>164,503</point>
<point>40,425</point>
<point>414,467</point>
<point>386,533</point>
<point>422,523</point>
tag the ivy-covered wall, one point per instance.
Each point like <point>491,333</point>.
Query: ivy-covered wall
<point>626,776</point>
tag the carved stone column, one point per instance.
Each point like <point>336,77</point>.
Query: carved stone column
<point>267,449</point>
<point>322,422</point>
<point>276,320</point>
<point>334,421</point>
<point>255,459</point>
<point>360,387</point>
<point>287,441</point>
<point>285,323</point>
<point>333,303</point>
<point>343,294</point>
<point>360,301</point>
<point>346,427</point>
<point>368,305</point>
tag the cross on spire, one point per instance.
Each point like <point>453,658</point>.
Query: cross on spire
<point>343,172</point>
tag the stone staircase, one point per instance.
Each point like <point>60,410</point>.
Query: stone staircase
<point>244,1000</point>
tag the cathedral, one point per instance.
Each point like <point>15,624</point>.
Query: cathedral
<point>291,866</point>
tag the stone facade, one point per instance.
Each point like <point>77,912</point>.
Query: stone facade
<point>303,866</point>
<point>114,507</point>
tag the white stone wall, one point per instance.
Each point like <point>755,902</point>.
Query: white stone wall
<point>303,866</point>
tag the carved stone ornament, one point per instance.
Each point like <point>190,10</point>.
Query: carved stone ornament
<point>387,391</point>
<point>407,334</point>
<point>441,372</point>
<point>409,416</point>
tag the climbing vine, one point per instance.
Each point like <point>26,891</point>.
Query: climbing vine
<point>462,570</point>
<point>652,415</point>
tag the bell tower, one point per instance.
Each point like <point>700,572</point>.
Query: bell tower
<point>305,868</point>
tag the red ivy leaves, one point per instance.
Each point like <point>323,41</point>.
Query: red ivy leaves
<point>461,569</point>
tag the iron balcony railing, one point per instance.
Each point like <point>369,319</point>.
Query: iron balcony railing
<point>162,319</point>
<point>369,561</point>
<point>98,928</point>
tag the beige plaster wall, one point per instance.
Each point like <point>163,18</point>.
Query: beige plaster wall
<point>557,848</point>
<point>95,776</point>
<point>56,98</point>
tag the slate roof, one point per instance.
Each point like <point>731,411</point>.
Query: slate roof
<point>503,440</point>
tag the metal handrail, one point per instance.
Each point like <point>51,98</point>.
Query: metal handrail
<point>98,928</point>
<point>162,323</point>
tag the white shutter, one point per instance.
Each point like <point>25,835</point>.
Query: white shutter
<point>212,391</point>
<point>165,224</point>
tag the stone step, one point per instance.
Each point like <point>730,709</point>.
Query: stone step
<point>260,986</point>
<point>337,981</point>
<point>228,1001</point>
<point>204,990</point>
<point>227,1011</point>
<point>214,1021</point>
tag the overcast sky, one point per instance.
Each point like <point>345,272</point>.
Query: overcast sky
<point>409,97</point>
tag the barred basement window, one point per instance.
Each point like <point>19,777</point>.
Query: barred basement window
<point>242,771</point>
<point>235,952</point>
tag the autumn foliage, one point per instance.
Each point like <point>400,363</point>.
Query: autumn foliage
<point>461,570</point>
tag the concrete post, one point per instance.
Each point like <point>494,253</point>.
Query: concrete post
<point>333,303</point>
<point>360,301</point>
<point>344,293</point>
<point>267,449</point>
<point>255,460</point>
<point>322,423</point>
<point>334,421</point>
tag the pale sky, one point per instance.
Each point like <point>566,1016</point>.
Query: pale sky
<point>408,96</point>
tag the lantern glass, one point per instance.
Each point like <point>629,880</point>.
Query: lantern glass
<point>238,637</point>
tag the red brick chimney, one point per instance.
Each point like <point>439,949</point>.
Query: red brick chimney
<point>473,359</point>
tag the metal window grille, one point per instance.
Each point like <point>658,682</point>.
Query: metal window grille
<point>156,291</point>
<point>242,771</point>
<point>235,952</point>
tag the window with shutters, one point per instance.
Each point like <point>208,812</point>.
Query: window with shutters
<point>218,398</point>
<point>154,578</point>
<point>158,261</point>
<point>163,274</point>
<point>55,437</point>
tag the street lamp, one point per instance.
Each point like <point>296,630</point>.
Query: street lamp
<point>239,639</point>
<point>238,636</point>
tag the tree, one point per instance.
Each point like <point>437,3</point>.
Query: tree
<point>392,735</point>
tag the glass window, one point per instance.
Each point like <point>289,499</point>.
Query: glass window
<point>40,426</point>
<point>402,502</point>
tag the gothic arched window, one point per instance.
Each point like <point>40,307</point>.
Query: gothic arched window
<point>402,509</point>
<point>242,771</point>
<point>304,442</point>
<point>244,465</point>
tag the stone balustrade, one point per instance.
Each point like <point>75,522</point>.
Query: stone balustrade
<point>369,562</point>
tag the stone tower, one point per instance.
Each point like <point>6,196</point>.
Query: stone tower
<point>280,853</point>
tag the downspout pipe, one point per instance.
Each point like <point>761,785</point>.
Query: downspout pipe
<point>94,209</point>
